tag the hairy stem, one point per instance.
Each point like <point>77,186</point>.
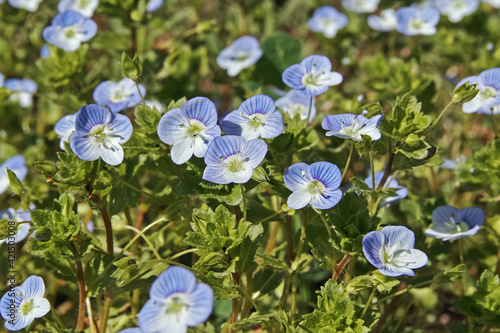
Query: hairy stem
<point>109,230</point>
<point>82,292</point>
<point>369,302</point>
<point>337,270</point>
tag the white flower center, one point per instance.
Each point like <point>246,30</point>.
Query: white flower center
<point>234,163</point>
<point>396,255</point>
<point>255,120</point>
<point>454,225</point>
<point>316,187</point>
<point>120,93</point>
<point>26,306</point>
<point>353,130</point>
<point>487,93</point>
<point>416,23</point>
<point>103,135</point>
<point>176,304</point>
<point>195,129</point>
<point>70,31</point>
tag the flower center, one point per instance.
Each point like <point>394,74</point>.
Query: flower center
<point>195,128</point>
<point>456,226</point>
<point>316,187</point>
<point>70,32</point>
<point>416,23</point>
<point>176,303</point>
<point>459,4</point>
<point>396,255</point>
<point>353,130</point>
<point>98,133</point>
<point>26,306</point>
<point>487,92</point>
<point>234,163</point>
<point>84,3</point>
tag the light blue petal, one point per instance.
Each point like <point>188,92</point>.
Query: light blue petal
<point>112,155</point>
<point>254,151</point>
<point>202,144</point>
<point>87,30</point>
<point>201,109</point>
<point>224,147</point>
<point>292,76</point>
<point>397,234</point>
<point>390,270</point>
<point>327,173</point>
<point>121,126</point>
<point>171,128</point>
<point>153,318</point>
<point>295,177</point>
<point>41,307</point>
<point>201,303</point>
<point>26,85</point>
<point>10,298</point>
<point>102,96</point>
<point>316,63</point>
<point>154,5</point>
<point>326,200</point>
<point>335,122</point>
<point>491,77</point>
<point>473,216</point>
<point>273,125</point>
<point>441,215</point>
<point>233,123</point>
<point>313,90</point>
<point>67,18</point>
<point>215,174</point>
<point>182,151</point>
<point>83,147</point>
<point>452,237</point>
<point>175,279</point>
<point>131,330</point>
<point>299,199</point>
<point>258,104</point>
<point>90,116</point>
<point>20,322</point>
<point>372,248</point>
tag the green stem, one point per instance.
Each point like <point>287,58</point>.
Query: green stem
<point>470,322</point>
<point>368,302</point>
<point>373,170</point>
<point>140,94</point>
<point>434,123</point>
<point>105,310</point>
<point>93,326</point>
<point>396,328</point>
<point>140,234</point>
<point>244,202</point>
<point>266,218</point>
<point>295,275</point>
<point>248,290</point>
<point>82,292</point>
<point>147,241</point>
<point>351,149</point>
<point>310,110</point>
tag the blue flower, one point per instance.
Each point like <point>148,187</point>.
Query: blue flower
<point>44,51</point>
<point>414,20</point>
<point>64,128</point>
<point>456,10</point>
<point>391,250</point>
<point>159,106</point>
<point>118,95</point>
<point>327,20</point>
<point>295,103</point>
<point>28,5</point>
<point>68,30</point>
<point>131,330</point>
<point>22,91</point>
<point>350,126</point>
<point>176,302</point>
<point>488,83</point>
<point>23,230</point>
<point>361,6</point>
<point>231,159</point>
<point>100,133</point>
<point>312,76</point>
<point>84,7</point>
<point>256,117</point>
<point>19,307</point>
<point>16,164</point>
<point>189,129</point>
<point>401,192</point>
<point>153,5</point>
<point>242,53</point>
<point>385,22</point>
<point>451,223</point>
<point>316,184</point>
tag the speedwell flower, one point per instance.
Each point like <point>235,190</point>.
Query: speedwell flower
<point>232,159</point>
<point>84,7</point>
<point>28,5</point>
<point>189,129</point>
<point>100,133</point>
<point>16,164</point>
<point>22,91</point>
<point>451,223</point>
<point>414,20</point>
<point>176,302</point>
<point>350,126</point>
<point>488,83</point>
<point>361,6</point>
<point>385,22</point>
<point>312,76</point>
<point>23,230</point>
<point>153,5</point>
<point>118,95</point>
<point>64,127</point>
<point>391,250</point>
<point>20,306</point>
<point>316,184</point>
<point>401,192</point>
<point>327,20</point>
<point>295,103</point>
<point>69,29</point>
<point>242,53</point>
<point>456,10</point>
<point>256,117</point>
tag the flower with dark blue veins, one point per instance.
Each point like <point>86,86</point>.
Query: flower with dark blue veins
<point>401,192</point>
<point>451,223</point>
<point>295,103</point>
<point>488,83</point>
<point>100,133</point>
<point>316,184</point>
<point>361,6</point>
<point>19,307</point>
<point>327,20</point>
<point>153,5</point>
<point>384,22</point>
<point>350,126</point>
<point>456,10</point>
<point>232,159</point>
<point>414,20</point>
<point>22,91</point>
<point>256,117</point>
<point>176,302</point>
<point>118,95</point>
<point>190,129</point>
<point>23,229</point>
<point>391,250</point>
<point>69,29</point>
<point>84,7</point>
<point>28,5</point>
<point>16,164</point>
<point>242,53</point>
<point>312,76</point>
<point>64,128</point>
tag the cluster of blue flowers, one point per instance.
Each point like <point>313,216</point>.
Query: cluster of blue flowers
<point>22,90</point>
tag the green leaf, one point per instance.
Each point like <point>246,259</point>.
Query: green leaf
<point>147,118</point>
<point>318,238</point>
<point>15,183</point>
<point>131,68</point>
